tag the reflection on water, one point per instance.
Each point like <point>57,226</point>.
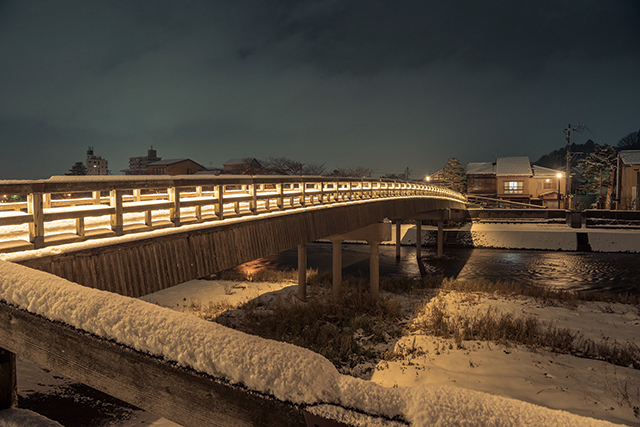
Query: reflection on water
<point>562,270</point>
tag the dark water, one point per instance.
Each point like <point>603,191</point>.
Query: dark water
<point>579,271</point>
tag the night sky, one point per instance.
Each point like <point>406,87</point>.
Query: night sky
<point>380,84</point>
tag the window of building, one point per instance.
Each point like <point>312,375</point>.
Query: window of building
<point>513,187</point>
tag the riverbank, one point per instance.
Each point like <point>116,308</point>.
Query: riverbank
<point>419,357</point>
<point>534,236</point>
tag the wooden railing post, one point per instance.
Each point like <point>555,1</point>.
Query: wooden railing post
<point>46,200</point>
<point>219,194</point>
<point>254,199</point>
<point>321,193</point>
<point>36,228</point>
<point>280,199</point>
<point>199,208</point>
<point>117,220</point>
<point>174,212</point>
<point>96,195</point>
<point>137,194</point>
<point>8,380</point>
<point>303,196</point>
<point>80,226</point>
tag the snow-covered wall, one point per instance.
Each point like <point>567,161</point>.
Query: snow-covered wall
<point>285,371</point>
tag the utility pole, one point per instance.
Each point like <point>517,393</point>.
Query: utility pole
<point>567,191</point>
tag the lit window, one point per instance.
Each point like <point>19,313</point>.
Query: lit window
<point>513,187</point>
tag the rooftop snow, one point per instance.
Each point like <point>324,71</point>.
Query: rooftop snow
<point>540,171</point>
<point>513,166</point>
<point>481,168</point>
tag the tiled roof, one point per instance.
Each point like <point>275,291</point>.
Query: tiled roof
<point>630,157</point>
<point>481,168</point>
<point>513,166</point>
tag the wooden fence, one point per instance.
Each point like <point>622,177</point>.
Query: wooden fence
<point>135,204</point>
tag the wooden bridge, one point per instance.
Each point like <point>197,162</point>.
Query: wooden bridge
<point>135,236</point>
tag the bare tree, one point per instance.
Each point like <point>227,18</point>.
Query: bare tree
<point>314,169</point>
<point>357,172</point>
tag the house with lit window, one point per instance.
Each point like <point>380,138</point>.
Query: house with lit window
<point>515,179</point>
<point>628,178</point>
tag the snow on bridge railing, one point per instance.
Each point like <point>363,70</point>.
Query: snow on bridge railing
<point>198,372</point>
<point>106,206</point>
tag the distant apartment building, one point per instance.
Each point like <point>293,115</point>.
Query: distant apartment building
<point>151,164</point>
<point>138,165</point>
<point>96,165</point>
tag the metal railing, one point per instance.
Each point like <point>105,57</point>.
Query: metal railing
<point>134,204</point>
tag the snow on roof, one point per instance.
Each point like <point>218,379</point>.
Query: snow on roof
<point>481,168</point>
<point>288,372</point>
<point>540,171</point>
<point>513,166</point>
<point>630,157</point>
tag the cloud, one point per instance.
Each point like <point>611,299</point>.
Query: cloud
<point>366,82</point>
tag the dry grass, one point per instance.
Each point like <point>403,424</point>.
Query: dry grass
<point>332,330</point>
<point>507,329</point>
<point>336,330</point>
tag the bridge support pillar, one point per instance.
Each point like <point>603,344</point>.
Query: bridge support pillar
<point>398,237</point>
<point>373,234</point>
<point>440,238</point>
<point>8,383</point>
<point>440,216</point>
<point>418,239</point>
<point>337,269</point>
<point>374,270</point>
<point>302,272</point>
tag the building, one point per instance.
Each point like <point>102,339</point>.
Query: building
<point>174,167</point>
<point>96,165</point>
<point>514,179</point>
<point>481,179</point>
<point>138,165</point>
<point>627,179</point>
<point>247,166</point>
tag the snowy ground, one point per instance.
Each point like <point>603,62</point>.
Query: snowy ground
<point>433,375</point>
<point>581,386</point>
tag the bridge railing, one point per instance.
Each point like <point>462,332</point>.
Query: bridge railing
<point>116,205</point>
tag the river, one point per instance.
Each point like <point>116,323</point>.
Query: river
<point>575,271</point>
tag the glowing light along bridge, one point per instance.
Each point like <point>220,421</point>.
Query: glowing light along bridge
<point>137,235</point>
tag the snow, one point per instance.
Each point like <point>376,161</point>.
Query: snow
<point>287,372</point>
<point>15,417</point>
<point>582,386</point>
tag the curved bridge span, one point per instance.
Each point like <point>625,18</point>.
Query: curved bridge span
<point>161,232</point>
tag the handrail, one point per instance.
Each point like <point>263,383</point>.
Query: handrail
<point>210,198</point>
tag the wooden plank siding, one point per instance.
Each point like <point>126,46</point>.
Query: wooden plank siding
<point>143,266</point>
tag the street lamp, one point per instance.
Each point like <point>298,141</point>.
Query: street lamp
<point>559,176</point>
